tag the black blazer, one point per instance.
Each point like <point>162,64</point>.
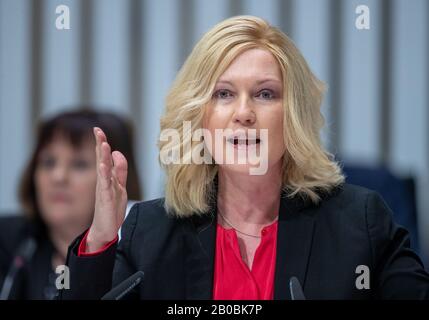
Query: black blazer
<point>321,245</point>
<point>36,280</point>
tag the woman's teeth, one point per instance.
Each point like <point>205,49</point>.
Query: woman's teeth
<point>237,141</point>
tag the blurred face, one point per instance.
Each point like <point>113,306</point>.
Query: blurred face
<point>248,98</point>
<point>65,180</point>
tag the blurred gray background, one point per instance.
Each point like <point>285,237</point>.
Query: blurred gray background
<point>122,55</point>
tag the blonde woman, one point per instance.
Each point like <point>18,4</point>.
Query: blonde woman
<point>223,232</point>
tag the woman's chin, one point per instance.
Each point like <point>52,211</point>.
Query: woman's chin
<point>60,219</point>
<point>244,169</point>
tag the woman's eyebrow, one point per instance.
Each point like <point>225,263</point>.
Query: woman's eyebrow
<point>224,82</point>
<point>268,80</point>
<point>258,82</point>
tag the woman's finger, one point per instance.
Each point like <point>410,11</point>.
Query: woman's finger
<point>105,165</point>
<point>106,156</point>
<point>120,167</point>
<point>97,146</point>
<point>105,177</point>
<point>100,137</point>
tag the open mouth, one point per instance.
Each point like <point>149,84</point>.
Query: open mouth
<point>244,141</point>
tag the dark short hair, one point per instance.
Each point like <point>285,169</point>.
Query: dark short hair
<point>77,128</point>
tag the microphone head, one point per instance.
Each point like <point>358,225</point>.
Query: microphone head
<point>25,252</point>
<point>125,287</point>
<point>23,255</point>
<point>295,288</point>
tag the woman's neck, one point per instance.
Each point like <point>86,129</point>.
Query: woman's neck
<point>250,200</point>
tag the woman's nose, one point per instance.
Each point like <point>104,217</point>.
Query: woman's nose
<point>244,113</point>
<point>60,174</point>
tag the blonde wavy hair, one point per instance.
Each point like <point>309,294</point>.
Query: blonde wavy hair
<point>307,167</point>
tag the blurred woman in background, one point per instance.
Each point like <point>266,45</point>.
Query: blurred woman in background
<point>57,193</point>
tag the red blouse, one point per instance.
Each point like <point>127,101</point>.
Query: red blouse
<point>233,280</point>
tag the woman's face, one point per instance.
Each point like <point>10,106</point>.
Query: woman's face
<point>65,180</point>
<point>248,95</point>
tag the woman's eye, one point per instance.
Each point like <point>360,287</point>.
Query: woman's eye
<point>266,95</point>
<point>80,164</point>
<point>222,94</point>
<point>47,163</point>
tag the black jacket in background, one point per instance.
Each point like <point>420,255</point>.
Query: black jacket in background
<point>321,245</point>
<point>36,280</point>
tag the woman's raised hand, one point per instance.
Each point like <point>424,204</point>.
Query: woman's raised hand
<point>111,194</point>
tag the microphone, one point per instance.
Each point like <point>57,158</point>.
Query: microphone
<point>295,288</point>
<point>122,289</point>
<point>23,256</point>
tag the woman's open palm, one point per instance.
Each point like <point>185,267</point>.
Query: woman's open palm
<point>111,193</point>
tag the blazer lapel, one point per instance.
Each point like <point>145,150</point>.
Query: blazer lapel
<point>200,253</point>
<point>294,240</point>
